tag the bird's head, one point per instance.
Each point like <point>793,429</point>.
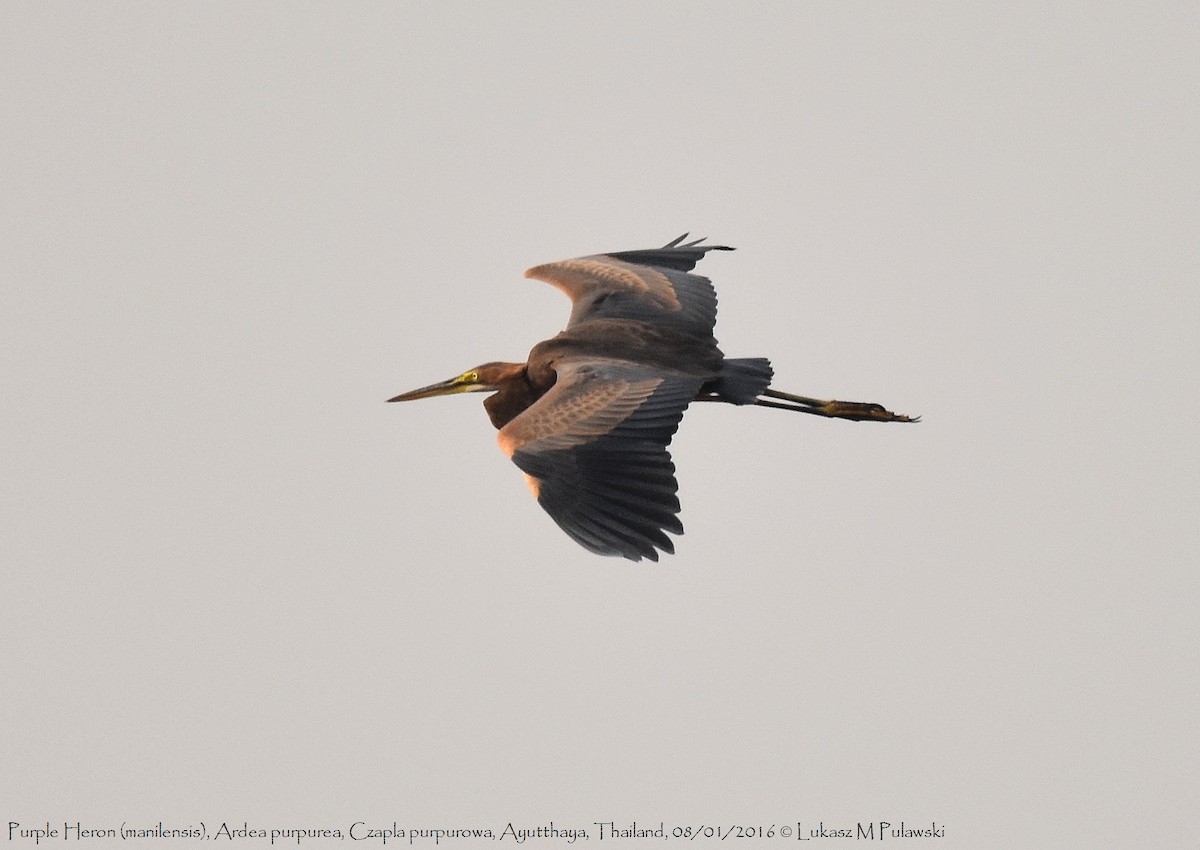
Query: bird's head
<point>489,377</point>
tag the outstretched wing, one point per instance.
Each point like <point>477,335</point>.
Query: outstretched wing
<point>652,286</point>
<point>594,450</point>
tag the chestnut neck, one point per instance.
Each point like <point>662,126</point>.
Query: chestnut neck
<point>514,396</point>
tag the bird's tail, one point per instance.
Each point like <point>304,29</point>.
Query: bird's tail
<point>743,379</point>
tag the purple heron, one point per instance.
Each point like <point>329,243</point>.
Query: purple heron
<point>588,417</point>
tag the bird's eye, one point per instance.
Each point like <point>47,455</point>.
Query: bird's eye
<point>470,378</point>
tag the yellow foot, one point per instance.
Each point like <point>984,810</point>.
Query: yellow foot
<point>863,411</point>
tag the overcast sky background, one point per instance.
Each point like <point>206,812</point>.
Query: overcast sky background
<point>238,586</point>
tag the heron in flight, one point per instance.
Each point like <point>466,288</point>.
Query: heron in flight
<point>588,417</point>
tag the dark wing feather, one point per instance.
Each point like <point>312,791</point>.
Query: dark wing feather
<point>675,254</point>
<point>652,286</point>
<point>594,449</point>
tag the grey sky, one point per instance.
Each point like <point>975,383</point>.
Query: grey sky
<point>240,586</point>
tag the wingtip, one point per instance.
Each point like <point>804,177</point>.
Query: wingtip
<point>695,243</point>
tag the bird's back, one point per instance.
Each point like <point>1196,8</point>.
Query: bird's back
<point>651,347</point>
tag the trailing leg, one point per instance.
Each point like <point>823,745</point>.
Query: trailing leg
<point>858,411</point>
